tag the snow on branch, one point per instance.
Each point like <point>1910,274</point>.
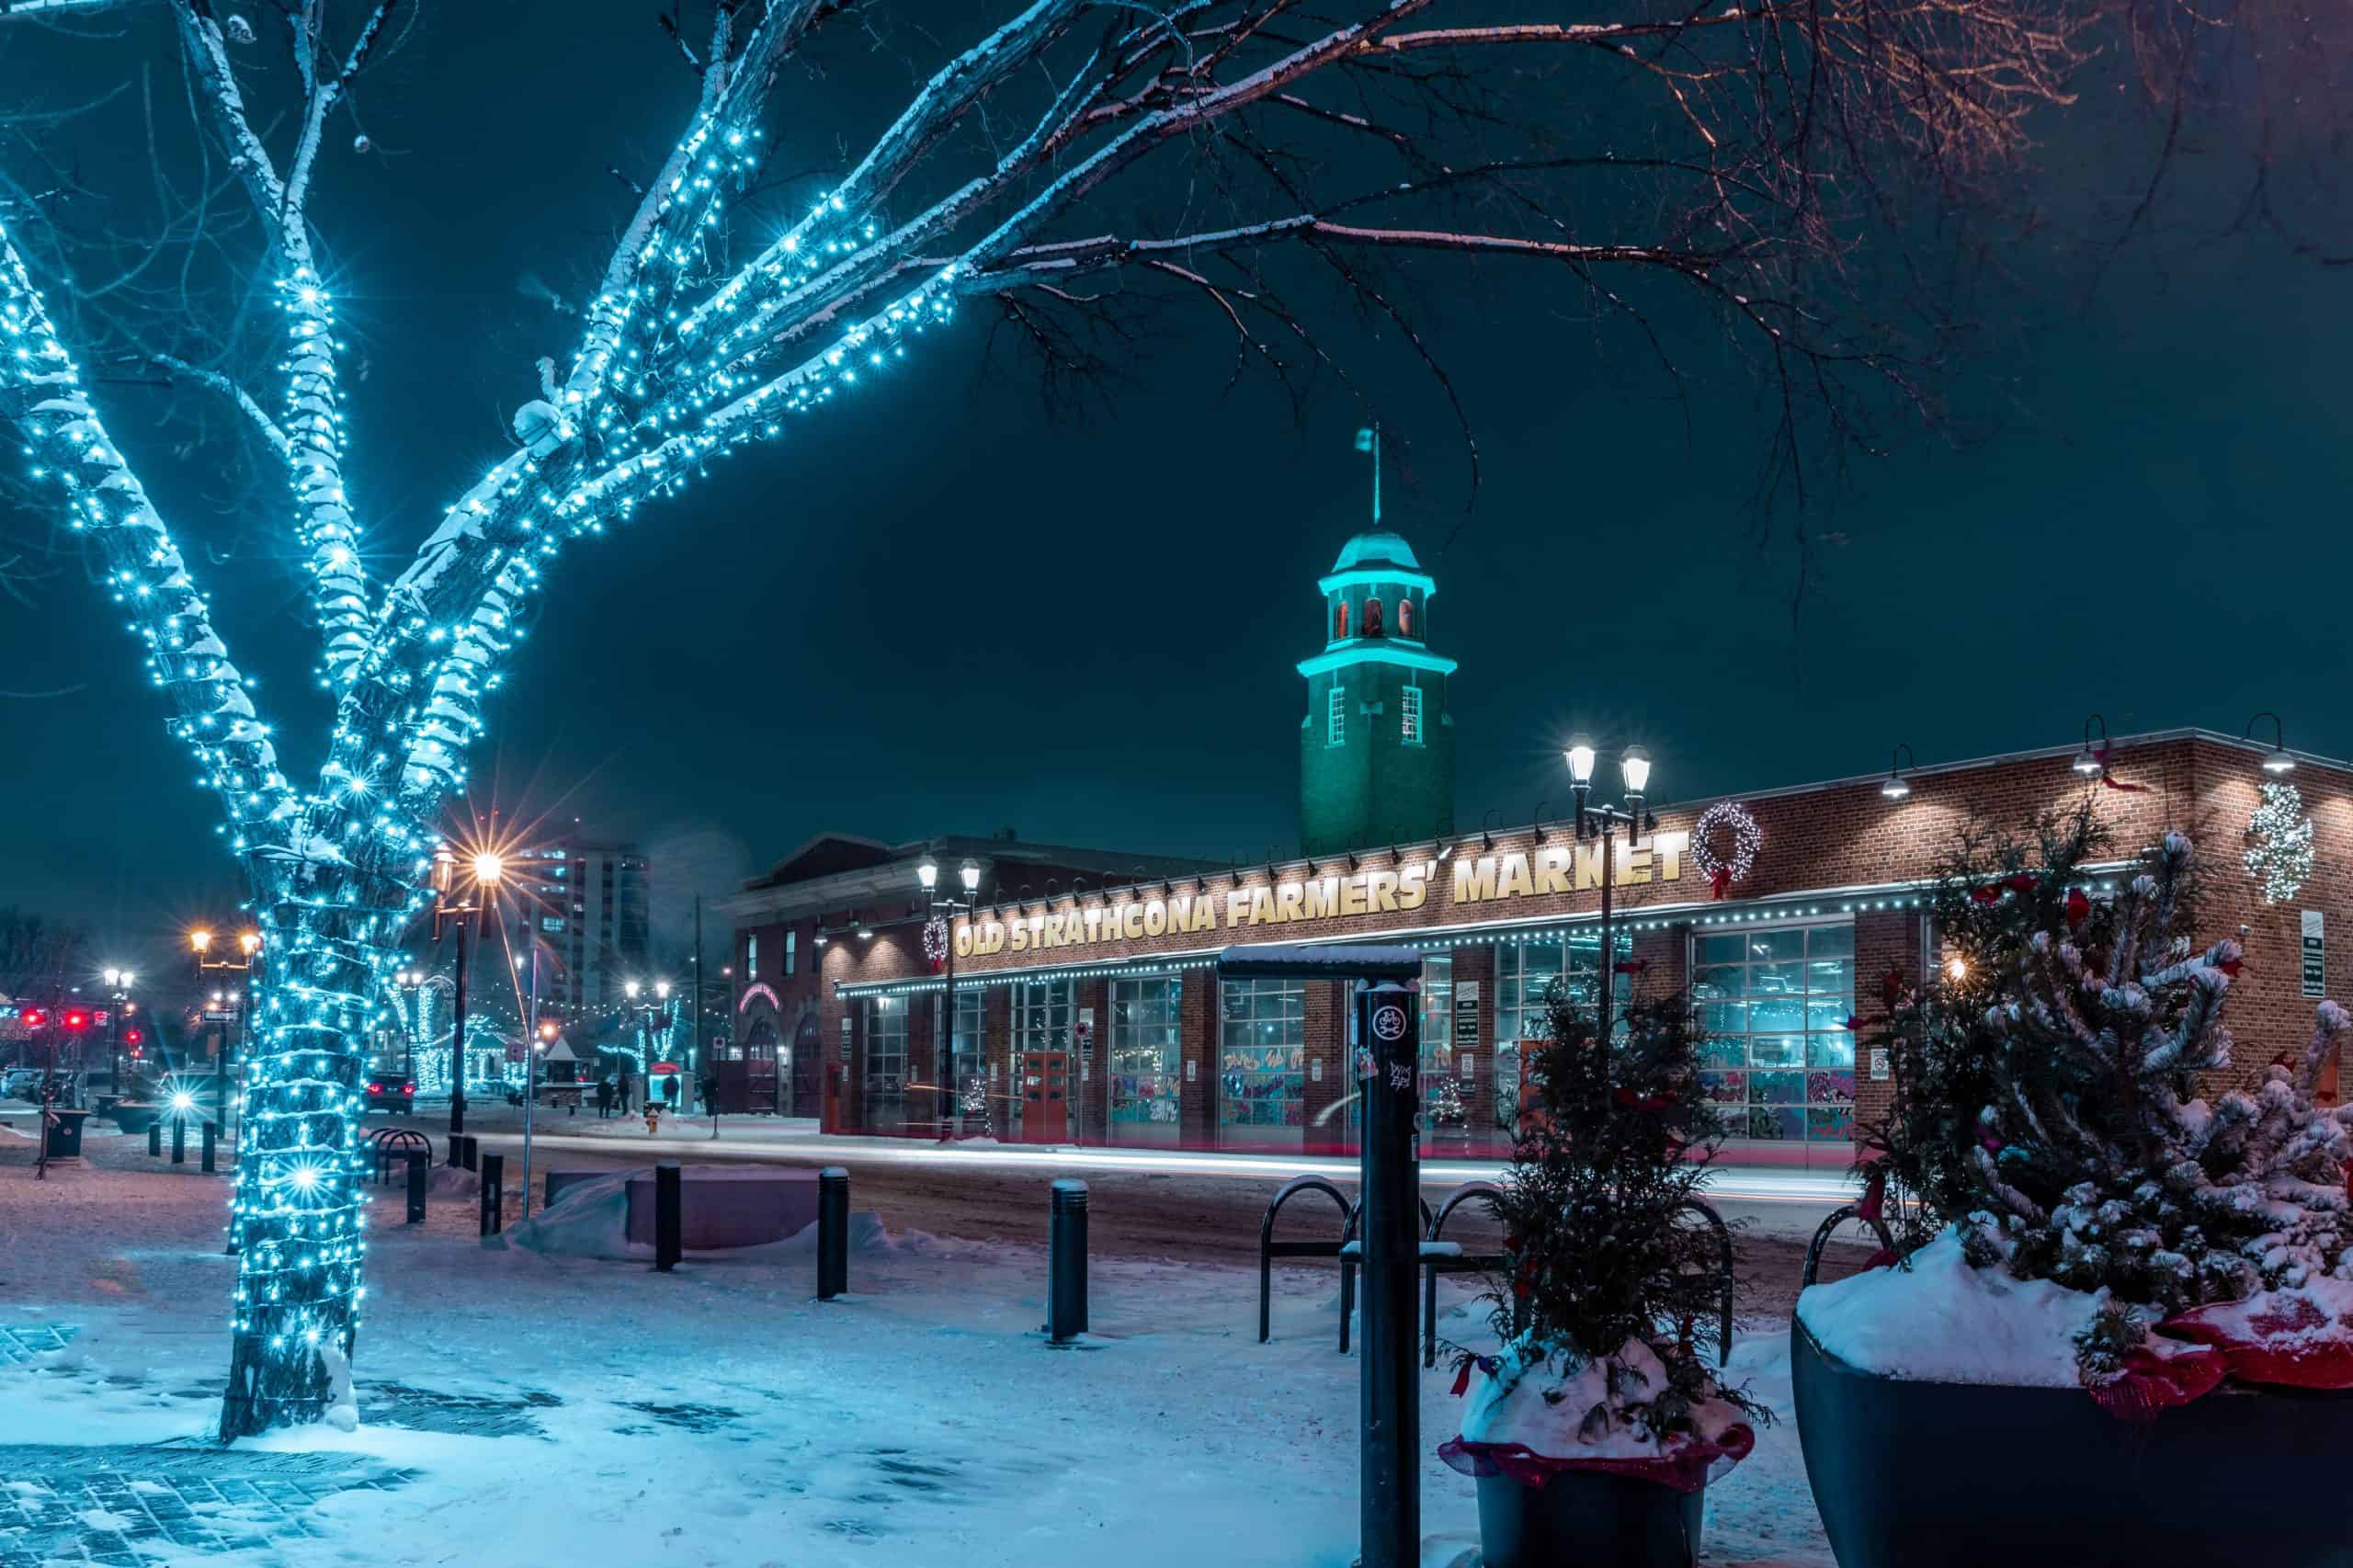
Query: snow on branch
<point>43,403</point>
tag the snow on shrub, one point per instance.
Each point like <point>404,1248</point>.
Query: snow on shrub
<point>2048,1110</point>
<point>1607,1273</point>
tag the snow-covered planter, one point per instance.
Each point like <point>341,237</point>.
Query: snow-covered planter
<point>1595,1428</point>
<point>1602,1460</point>
<point>2095,1245</point>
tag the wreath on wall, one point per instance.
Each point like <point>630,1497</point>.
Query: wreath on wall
<point>2279,842</point>
<point>1734,866</point>
<point>934,941</point>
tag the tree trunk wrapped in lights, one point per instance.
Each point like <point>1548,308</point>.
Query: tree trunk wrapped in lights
<point>1775,133</point>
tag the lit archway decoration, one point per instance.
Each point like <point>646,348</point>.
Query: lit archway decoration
<point>1725,817</point>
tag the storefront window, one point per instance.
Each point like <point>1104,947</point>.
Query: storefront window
<point>886,1063</point>
<point>1262,1057</point>
<point>1145,1060</point>
<point>1774,1004</point>
<point>1443,1110</point>
<point>1525,972</point>
<point>969,1070</point>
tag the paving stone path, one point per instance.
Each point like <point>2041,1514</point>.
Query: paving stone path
<point>118,1505</point>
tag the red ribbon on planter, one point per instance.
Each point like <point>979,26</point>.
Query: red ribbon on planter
<point>1690,1463</point>
<point>2155,1380</point>
<point>2296,1338</point>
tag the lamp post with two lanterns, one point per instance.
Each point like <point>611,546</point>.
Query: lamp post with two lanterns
<point>488,867</point>
<point>200,942</point>
<point>944,910</point>
<point>119,982</point>
<point>1602,822</point>
<point>658,1002</point>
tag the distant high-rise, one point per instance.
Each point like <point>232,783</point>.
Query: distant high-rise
<point>588,907</point>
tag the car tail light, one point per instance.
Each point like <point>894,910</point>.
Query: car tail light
<point>375,1088</point>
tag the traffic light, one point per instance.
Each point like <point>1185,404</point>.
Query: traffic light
<point>34,1018</point>
<point>78,1019</point>
<point>130,1038</point>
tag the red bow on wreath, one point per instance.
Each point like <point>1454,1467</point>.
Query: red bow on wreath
<point>1720,880</point>
<point>2110,779</point>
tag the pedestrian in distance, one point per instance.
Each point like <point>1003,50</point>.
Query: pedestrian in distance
<point>625,1078</point>
<point>605,1097</point>
<point>670,1092</point>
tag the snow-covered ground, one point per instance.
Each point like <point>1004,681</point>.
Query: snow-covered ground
<point>520,1410</point>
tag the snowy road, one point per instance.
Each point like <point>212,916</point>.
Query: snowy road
<point>1161,1205</point>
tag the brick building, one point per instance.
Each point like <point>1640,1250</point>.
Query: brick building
<point>1086,1008</point>
<point>1111,991</point>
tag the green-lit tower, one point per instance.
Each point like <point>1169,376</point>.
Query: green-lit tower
<point>1376,749</point>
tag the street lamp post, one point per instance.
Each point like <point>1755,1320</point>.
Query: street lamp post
<point>488,867</point>
<point>660,1004</point>
<point>1602,822</point>
<point>945,910</point>
<point>200,942</point>
<point>119,982</point>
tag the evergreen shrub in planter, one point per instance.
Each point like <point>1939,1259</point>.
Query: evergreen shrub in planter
<point>1596,1428</point>
<point>2096,1235</point>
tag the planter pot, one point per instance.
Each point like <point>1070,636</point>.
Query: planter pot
<point>1956,1475</point>
<point>1581,1517</point>
<point>133,1118</point>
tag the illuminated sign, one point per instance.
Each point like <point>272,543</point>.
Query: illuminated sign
<point>1545,870</point>
<point>758,990</point>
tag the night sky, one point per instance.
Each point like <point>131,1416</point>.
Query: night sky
<point>945,607</point>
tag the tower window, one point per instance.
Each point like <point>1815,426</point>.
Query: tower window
<point>1340,621</point>
<point>1335,717</point>
<point>1373,617</point>
<point>1411,703</point>
<point>1404,618</point>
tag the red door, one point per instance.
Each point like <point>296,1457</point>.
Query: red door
<point>1045,1096</point>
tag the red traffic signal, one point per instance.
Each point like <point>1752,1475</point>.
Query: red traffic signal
<point>131,1037</point>
<point>34,1018</point>
<point>77,1020</point>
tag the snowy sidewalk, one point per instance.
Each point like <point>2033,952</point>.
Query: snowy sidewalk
<point>525,1412</point>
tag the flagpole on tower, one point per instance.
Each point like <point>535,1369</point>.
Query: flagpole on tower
<point>1369,440</point>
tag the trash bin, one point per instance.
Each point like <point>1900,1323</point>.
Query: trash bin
<point>65,1141</point>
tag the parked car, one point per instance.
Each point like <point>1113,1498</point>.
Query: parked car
<point>20,1084</point>
<point>389,1090</point>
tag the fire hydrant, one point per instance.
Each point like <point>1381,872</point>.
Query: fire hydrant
<point>652,1120</point>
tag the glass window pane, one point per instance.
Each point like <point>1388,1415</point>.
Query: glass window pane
<point>1722,949</point>
<point>1769,946</point>
<point>1830,942</point>
<point>1777,979</point>
<point>1780,1015</point>
<point>1776,1050</point>
<point>1829,1015</point>
<point>1834,1050</point>
<point>1730,980</point>
<point>1725,1018</point>
<point>1832,976</point>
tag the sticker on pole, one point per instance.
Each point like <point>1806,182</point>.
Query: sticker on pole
<point>1389,1022</point>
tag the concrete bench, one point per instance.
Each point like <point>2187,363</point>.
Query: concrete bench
<point>728,1206</point>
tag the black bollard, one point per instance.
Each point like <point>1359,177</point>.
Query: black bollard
<point>156,1138</point>
<point>1391,1485</point>
<point>212,1138</point>
<point>1066,1263</point>
<point>668,1220</point>
<point>179,1140</point>
<point>493,1193</point>
<point>833,1232</point>
<point>417,1160</point>
<point>473,1153</point>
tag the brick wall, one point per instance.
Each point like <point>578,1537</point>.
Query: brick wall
<point>1819,845</point>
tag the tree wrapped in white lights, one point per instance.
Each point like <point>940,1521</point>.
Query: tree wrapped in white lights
<point>1742,150</point>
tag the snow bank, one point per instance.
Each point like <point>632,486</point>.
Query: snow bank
<point>1943,1321</point>
<point>590,1220</point>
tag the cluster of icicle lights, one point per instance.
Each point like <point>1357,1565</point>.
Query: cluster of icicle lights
<point>295,1213</point>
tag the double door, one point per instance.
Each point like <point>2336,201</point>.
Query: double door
<point>1045,1096</point>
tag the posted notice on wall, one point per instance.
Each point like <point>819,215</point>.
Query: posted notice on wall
<point>2316,955</point>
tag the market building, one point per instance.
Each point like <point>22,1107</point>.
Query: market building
<point>1087,1011</point>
